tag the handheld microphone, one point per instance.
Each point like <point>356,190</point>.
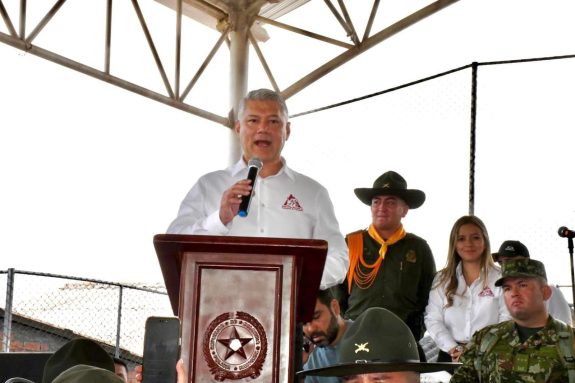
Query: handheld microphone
<point>566,233</point>
<point>254,165</point>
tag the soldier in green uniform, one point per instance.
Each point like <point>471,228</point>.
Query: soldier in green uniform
<point>532,347</point>
<point>389,267</point>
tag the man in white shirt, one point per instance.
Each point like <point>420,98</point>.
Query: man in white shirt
<point>284,204</point>
<point>557,305</point>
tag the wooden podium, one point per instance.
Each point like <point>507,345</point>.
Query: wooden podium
<point>238,300</point>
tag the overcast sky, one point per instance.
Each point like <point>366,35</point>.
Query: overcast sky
<point>90,172</point>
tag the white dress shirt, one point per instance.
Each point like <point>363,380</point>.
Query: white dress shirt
<point>474,307</point>
<point>285,205</point>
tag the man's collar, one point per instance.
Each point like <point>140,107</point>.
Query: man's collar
<point>241,166</point>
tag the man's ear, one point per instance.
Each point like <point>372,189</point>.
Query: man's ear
<point>334,306</point>
<point>547,292</point>
<point>404,210</point>
<point>288,130</point>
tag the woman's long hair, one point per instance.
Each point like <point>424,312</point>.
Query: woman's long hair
<point>448,276</point>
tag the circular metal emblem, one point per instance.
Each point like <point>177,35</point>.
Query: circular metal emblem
<point>235,346</point>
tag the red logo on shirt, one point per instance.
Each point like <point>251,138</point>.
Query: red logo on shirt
<point>486,292</point>
<point>292,203</point>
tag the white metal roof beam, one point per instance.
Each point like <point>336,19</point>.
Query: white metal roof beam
<point>303,32</point>
<point>367,44</point>
<point>108,37</point>
<point>264,62</point>
<point>45,20</point>
<point>88,70</point>
<point>348,22</point>
<point>178,49</point>
<point>370,21</point>
<point>22,19</point>
<point>340,19</point>
<point>153,48</point>
<point>223,37</point>
<point>7,20</point>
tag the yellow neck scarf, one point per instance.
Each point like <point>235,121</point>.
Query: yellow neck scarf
<point>362,279</point>
<point>398,235</point>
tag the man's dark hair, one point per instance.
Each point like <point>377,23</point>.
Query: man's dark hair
<point>120,361</point>
<point>325,297</point>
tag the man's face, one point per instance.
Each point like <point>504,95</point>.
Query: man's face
<point>387,212</point>
<point>525,297</point>
<point>263,130</point>
<point>121,371</point>
<point>387,377</point>
<point>323,329</point>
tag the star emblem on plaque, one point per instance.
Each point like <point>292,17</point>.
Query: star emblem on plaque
<point>235,346</point>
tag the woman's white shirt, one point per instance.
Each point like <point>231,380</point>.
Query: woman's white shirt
<point>474,307</point>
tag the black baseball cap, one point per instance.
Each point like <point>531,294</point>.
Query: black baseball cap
<point>510,249</point>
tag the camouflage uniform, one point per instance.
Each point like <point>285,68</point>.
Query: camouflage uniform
<point>508,360</point>
<point>533,361</point>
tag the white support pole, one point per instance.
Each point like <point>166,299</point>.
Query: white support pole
<point>239,59</point>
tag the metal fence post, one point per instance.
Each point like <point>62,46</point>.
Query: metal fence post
<point>8,311</point>
<point>119,322</point>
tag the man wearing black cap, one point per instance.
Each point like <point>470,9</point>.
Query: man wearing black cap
<point>557,305</point>
<point>389,267</point>
<point>379,347</point>
<point>533,347</point>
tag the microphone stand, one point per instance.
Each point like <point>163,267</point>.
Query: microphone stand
<point>570,247</point>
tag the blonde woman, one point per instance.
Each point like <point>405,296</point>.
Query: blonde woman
<point>463,298</point>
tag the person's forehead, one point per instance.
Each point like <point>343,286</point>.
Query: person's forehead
<point>258,106</point>
<point>320,307</point>
<point>469,227</point>
<point>387,198</point>
<point>515,280</point>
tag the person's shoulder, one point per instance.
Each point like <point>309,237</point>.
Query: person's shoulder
<point>217,174</point>
<point>558,325</point>
<point>415,238</point>
<point>495,329</point>
<point>354,233</point>
<point>302,178</point>
<point>417,242</point>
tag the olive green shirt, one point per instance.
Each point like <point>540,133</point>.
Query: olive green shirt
<point>402,284</point>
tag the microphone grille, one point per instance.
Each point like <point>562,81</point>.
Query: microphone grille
<point>255,162</point>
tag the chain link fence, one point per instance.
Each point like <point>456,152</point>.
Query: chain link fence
<point>43,311</point>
